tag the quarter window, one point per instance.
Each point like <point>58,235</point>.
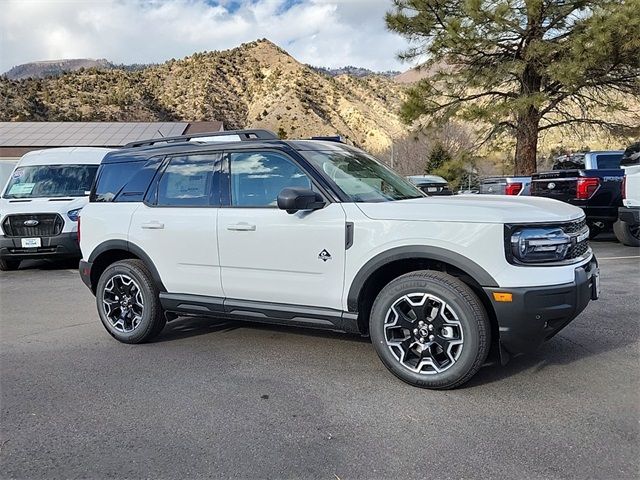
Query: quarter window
<point>258,177</point>
<point>188,181</point>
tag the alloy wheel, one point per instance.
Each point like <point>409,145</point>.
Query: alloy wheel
<point>123,303</point>
<point>424,333</point>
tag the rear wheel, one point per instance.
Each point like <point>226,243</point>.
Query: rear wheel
<point>128,302</point>
<point>8,264</point>
<point>430,330</point>
<point>627,234</point>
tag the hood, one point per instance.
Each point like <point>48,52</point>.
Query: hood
<point>474,209</point>
<point>41,205</point>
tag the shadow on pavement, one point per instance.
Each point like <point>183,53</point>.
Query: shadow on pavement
<point>50,264</point>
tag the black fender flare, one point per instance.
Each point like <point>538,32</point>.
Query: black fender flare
<point>135,250</point>
<point>438,254</point>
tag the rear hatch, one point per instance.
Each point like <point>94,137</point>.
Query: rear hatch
<point>557,184</point>
<point>493,186</point>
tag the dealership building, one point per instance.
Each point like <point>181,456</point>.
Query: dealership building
<point>18,138</point>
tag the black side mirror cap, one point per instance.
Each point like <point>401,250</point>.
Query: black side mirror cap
<point>295,199</point>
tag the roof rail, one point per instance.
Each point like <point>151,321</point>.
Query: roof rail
<point>244,135</point>
<point>332,138</point>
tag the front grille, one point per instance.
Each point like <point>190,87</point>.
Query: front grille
<point>574,227</point>
<point>49,224</point>
<point>578,250</point>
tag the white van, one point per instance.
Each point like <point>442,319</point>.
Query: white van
<point>41,201</point>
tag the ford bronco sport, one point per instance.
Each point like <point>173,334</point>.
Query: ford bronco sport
<point>319,234</point>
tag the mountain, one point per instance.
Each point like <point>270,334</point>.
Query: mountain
<point>353,71</point>
<point>255,85</point>
<point>52,68</point>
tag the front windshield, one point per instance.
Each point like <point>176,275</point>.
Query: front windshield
<point>361,177</point>
<point>43,181</point>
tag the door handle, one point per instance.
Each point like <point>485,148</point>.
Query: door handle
<point>242,227</point>
<point>154,225</point>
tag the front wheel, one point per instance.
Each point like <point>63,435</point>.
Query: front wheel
<point>7,265</point>
<point>430,330</point>
<point>627,234</point>
<point>128,302</point>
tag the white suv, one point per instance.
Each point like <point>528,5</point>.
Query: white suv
<point>319,234</point>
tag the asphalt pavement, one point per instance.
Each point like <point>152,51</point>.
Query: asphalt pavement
<point>236,400</point>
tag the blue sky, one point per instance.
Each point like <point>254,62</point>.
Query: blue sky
<point>329,33</point>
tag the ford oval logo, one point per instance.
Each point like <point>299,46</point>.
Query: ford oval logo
<point>31,223</point>
<point>551,186</point>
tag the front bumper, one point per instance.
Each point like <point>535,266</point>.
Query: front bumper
<point>64,245</point>
<point>537,314</point>
<point>630,215</point>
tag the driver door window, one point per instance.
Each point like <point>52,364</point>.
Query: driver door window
<point>258,177</point>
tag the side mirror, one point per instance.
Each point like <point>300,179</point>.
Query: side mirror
<point>295,199</point>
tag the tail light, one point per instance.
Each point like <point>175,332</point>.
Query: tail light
<point>513,189</point>
<point>586,188</point>
<point>624,187</point>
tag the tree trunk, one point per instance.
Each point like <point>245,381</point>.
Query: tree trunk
<point>527,142</point>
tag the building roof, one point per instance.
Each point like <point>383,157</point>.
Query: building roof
<point>17,138</point>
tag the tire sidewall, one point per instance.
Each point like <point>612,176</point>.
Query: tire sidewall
<point>469,322</point>
<point>149,297</point>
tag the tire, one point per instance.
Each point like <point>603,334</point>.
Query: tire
<point>461,325</point>
<point>627,234</point>
<point>7,265</point>
<point>128,302</point>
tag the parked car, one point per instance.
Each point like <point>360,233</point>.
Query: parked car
<point>41,201</point>
<point>590,181</point>
<point>627,228</point>
<point>431,184</point>
<point>506,186</point>
<point>320,234</point>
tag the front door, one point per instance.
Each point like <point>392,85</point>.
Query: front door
<point>268,255</point>
<point>177,229</point>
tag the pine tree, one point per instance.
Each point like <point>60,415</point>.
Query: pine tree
<point>521,66</point>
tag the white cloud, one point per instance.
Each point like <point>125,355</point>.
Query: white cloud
<point>321,32</point>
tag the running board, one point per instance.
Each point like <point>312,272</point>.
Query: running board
<point>260,312</point>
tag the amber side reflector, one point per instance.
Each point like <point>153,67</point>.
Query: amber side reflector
<point>503,297</point>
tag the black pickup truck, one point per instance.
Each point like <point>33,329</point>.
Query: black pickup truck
<point>591,181</point>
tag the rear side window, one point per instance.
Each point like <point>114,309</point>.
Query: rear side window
<point>112,178</point>
<point>188,181</point>
<point>609,161</point>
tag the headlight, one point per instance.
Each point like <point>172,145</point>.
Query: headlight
<point>73,214</point>
<point>539,245</point>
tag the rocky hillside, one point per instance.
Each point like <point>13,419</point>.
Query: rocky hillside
<point>255,85</point>
<point>53,68</point>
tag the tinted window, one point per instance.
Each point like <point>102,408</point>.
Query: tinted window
<point>187,181</point>
<point>42,181</point>
<point>258,177</point>
<point>112,178</point>
<point>609,161</point>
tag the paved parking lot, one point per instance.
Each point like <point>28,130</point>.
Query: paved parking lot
<point>213,399</point>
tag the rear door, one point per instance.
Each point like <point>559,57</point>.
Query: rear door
<point>176,226</point>
<point>268,255</point>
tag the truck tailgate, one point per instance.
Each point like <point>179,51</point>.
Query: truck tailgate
<point>556,184</point>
